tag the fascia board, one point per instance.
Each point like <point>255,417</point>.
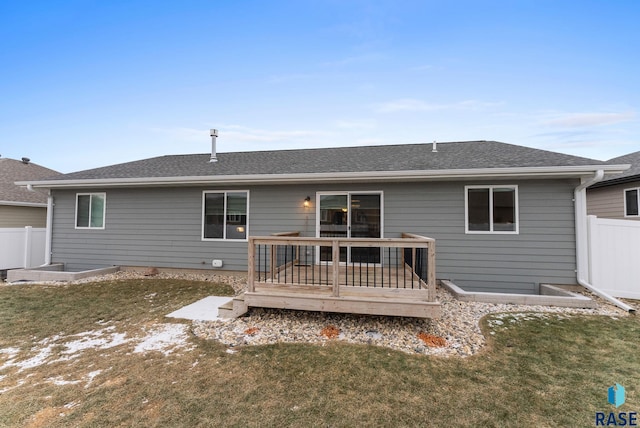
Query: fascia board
<point>528,172</point>
<point>23,204</point>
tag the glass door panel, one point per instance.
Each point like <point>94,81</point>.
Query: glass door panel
<point>350,215</point>
<point>365,222</point>
<point>333,210</point>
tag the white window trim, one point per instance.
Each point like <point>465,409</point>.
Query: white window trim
<point>624,199</point>
<point>104,212</point>
<point>491,231</point>
<point>224,229</point>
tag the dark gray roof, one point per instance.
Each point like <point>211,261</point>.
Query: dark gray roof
<point>12,170</point>
<point>407,157</point>
<point>632,174</point>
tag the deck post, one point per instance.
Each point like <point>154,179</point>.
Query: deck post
<point>251,261</point>
<point>335,246</point>
<point>431,274</point>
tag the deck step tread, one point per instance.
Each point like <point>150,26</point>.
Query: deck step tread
<point>228,305</point>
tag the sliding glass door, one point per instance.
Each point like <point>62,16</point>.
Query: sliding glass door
<point>350,215</point>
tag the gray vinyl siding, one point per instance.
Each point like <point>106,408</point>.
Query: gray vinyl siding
<point>13,216</point>
<point>162,227</point>
<point>608,202</point>
<point>543,251</point>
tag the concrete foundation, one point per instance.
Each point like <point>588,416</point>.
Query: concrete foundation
<point>55,272</point>
<point>550,295</point>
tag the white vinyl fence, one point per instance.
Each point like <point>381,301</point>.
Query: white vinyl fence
<point>614,250</point>
<point>22,247</point>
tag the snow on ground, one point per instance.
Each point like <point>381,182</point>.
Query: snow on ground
<point>166,338</point>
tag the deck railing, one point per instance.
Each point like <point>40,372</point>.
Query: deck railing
<point>287,259</point>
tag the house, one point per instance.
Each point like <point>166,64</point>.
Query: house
<point>503,217</point>
<point>20,207</point>
<point>618,196</point>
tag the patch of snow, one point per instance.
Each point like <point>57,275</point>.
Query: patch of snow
<point>12,352</point>
<point>95,340</point>
<point>165,338</point>
<point>59,381</point>
<point>35,361</point>
<point>91,376</point>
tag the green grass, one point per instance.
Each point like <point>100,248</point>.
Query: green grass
<point>538,372</point>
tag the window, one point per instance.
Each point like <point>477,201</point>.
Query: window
<point>491,209</point>
<point>225,215</point>
<point>631,202</point>
<point>90,209</point>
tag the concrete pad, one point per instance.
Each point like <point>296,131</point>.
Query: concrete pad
<point>202,310</point>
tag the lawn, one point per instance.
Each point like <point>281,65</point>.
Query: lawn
<point>91,355</point>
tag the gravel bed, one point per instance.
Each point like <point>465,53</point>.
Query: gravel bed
<point>458,325</point>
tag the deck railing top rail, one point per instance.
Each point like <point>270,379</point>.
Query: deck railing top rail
<point>291,239</point>
<point>291,234</point>
<point>295,233</point>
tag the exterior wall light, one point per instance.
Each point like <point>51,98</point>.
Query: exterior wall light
<point>307,202</point>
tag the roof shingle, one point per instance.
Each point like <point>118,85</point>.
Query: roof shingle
<point>12,170</point>
<point>407,157</point>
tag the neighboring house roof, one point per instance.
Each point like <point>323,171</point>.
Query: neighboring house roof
<point>632,174</point>
<point>480,158</point>
<point>11,171</point>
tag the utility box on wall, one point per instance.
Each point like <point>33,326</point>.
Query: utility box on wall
<point>216,263</point>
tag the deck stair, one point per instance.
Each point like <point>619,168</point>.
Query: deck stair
<point>233,308</point>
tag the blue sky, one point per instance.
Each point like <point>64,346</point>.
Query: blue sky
<point>92,83</point>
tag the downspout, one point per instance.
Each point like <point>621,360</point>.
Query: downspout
<point>582,254</point>
<point>49,231</point>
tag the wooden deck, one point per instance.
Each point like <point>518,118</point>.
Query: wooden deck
<point>401,281</point>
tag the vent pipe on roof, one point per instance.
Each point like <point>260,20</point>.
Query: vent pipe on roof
<point>435,147</point>
<point>214,135</point>
<point>26,160</point>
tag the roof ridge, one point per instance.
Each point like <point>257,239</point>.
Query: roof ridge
<point>368,146</point>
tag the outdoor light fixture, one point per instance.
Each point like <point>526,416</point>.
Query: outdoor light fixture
<point>307,202</point>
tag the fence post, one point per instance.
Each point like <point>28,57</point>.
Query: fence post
<point>27,247</point>
<point>593,250</point>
